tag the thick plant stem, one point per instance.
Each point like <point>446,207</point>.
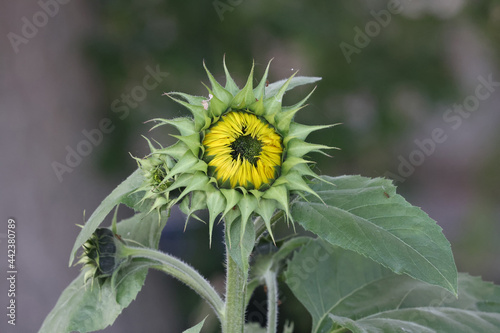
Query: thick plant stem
<point>272,301</point>
<point>236,287</point>
<point>183,272</point>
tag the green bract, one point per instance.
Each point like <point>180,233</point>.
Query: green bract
<point>183,168</point>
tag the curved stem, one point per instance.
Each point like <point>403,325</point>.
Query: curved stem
<point>236,286</point>
<point>183,272</point>
<point>272,301</point>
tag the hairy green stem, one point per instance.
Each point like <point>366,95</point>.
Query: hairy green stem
<point>272,301</point>
<point>236,286</point>
<point>183,272</point>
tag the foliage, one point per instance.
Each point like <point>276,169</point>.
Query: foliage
<point>371,262</point>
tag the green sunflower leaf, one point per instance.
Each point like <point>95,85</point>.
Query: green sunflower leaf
<point>367,216</point>
<point>273,88</point>
<point>344,291</point>
<point>87,308</point>
<point>197,328</point>
<point>118,195</point>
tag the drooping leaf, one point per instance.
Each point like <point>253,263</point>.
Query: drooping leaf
<point>296,81</point>
<point>367,216</point>
<point>119,193</point>
<point>197,328</point>
<point>87,308</point>
<point>343,289</point>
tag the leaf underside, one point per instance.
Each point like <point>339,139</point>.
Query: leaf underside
<point>118,195</point>
<point>343,289</point>
<point>87,308</point>
<point>367,216</point>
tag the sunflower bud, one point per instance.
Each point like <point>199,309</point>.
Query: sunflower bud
<point>156,168</point>
<point>240,155</point>
<point>100,257</point>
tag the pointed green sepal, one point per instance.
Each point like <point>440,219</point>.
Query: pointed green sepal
<point>273,103</point>
<point>159,203</point>
<point>245,96</point>
<point>266,210</point>
<point>192,141</point>
<point>232,199</point>
<point>191,204</point>
<point>247,206</point>
<point>259,91</point>
<point>231,217</point>
<point>301,131</point>
<point>215,204</point>
<point>224,95</point>
<point>187,162</point>
<point>201,120</point>
<point>299,148</point>
<point>194,100</point>
<point>181,181</point>
<point>299,104</point>
<point>197,183</point>
<point>151,147</point>
<point>257,193</point>
<point>295,182</point>
<point>184,125</point>
<point>230,84</point>
<point>279,193</point>
<point>258,107</point>
<point>284,118</point>
<point>217,107</point>
<point>177,150</point>
<point>305,170</point>
<point>291,162</point>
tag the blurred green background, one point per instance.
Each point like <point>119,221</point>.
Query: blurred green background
<point>393,72</point>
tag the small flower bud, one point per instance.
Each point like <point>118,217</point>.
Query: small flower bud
<point>100,254</point>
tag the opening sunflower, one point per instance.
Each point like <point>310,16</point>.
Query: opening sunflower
<point>243,150</point>
<point>240,155</point>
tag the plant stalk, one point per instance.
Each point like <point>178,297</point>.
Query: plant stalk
<point>183,272</point>
<point>272,301</point>
<point>236,287</point>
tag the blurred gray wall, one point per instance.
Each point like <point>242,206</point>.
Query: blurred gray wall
<point>48,95</point>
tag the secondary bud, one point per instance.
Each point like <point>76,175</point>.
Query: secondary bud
<point>100,257</point>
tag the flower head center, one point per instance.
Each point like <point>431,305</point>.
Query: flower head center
<point>247,147</point>
<point>243,150</point>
